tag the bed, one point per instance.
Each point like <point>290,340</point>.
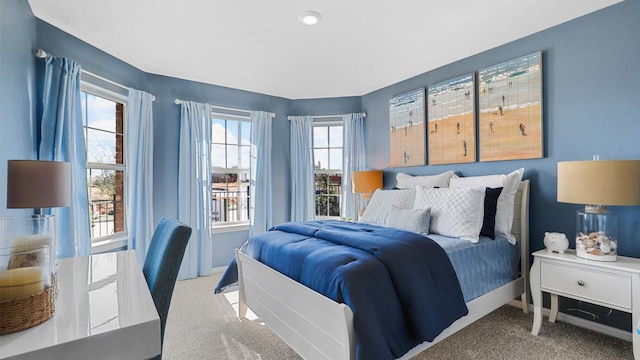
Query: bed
<point>317,327</point>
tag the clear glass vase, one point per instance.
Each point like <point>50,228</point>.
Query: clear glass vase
<point>27,241</point>
<point>597,234</point>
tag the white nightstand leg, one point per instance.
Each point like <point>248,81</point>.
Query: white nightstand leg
<point>553,315</point>
<point>536,296</point>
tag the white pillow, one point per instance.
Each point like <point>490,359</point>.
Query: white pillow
<point>454,212</point>
<point>381,202</point>
<point>404,181</point>
<point>414,220</point>
<point>504,210</point>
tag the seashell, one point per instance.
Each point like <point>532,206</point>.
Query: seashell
<point>580,246</point>
<point>593,235</point>
<point>589,243</point>
<point>595,251</point>
<point>605,248</point>
<point>603,240</point>
<point>613,245</point>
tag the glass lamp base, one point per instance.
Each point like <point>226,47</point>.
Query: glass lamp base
<point>596,237</point>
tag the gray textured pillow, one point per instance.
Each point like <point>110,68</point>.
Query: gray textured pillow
<point>414,220</point>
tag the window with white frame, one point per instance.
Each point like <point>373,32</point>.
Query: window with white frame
<point>327,153</point>
<point>104,132</point>
<point>230,161</point>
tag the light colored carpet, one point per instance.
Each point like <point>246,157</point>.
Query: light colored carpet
<point>202,325</point>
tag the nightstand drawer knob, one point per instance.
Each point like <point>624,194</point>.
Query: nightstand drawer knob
<point>580,282</point>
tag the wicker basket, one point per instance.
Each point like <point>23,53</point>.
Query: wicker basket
<point>21,314</point>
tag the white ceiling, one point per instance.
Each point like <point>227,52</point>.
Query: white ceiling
<point>358,47</point>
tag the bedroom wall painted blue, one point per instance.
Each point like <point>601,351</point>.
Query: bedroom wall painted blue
<point>591,86</point>
<point>17,92</point>
<point>591,77</point>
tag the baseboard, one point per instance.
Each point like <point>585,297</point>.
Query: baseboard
<point>580,322</point>
<point>219,269</point>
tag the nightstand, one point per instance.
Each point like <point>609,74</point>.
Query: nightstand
<point>614,285</point>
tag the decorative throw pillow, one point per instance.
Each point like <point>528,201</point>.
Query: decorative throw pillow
<point>381,202</point>
<point>504,211</point>
<point>414,220</point>
<point>404,181</point>
<point>490,206</point>
<point>454,212</point>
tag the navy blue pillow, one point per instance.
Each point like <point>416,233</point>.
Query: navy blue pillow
<point>490,205</point>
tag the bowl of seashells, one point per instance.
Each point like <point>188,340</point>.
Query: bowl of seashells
<point>596,246</point>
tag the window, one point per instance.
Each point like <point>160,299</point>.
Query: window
<point>230,160</point>
<point>327,152</point>
<point>104,131</point>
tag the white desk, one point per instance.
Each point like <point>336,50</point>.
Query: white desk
<point>104,310</point>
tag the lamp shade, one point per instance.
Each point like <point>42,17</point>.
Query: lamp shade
<point>38,184</point>
<point>599,182</point>
<point>365,182</point>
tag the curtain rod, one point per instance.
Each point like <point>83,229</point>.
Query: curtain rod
<point>43,55</point>
<point>364,114</point>
<point>179,101</point>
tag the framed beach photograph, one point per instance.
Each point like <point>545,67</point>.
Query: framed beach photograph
<point>451,122</point>
<point>510,105</point>
<point>407,129</point>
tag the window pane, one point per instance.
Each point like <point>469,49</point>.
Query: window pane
<point>321,158</point>
<point>106,201</point>
<point>101,113</point>
<point>335,159</point>
<point>218,182</point>
<point>245,130</point>
<point>218,156</point>
<point>245,152</point>
<point>232,131</point>
<point>321,205</point>
<point>232,156</point>
<point>101,146</point>
<point>218,131</point>
<point>335,136</point>
<point>320,134</point>
<point>334,205</point>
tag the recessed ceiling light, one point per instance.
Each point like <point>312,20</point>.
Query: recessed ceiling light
<point>309,17</point>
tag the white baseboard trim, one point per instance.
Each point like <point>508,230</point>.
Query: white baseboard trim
<point>580,322</point>
<point>219,269</point>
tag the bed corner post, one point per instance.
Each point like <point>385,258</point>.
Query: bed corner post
<point>524,246</point>
<point>242,305</point>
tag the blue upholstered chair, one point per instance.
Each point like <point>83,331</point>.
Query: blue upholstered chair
<point>162,263</point>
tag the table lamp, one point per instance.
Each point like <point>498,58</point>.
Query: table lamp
<point>365,183</point>
<point>598,184</point>
<point>28,244</point>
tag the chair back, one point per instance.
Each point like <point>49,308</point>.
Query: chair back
<point>162,263</point>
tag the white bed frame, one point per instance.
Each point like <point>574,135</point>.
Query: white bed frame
<point>316,327</point>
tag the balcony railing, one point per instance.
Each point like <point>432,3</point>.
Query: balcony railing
<point>104,214</point>
<point>229,206</point>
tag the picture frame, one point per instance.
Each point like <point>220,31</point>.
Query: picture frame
<point>407,129</point>
<point>451,121</point>
<point>510,109</point>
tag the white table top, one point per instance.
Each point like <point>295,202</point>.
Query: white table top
<point>104,310</point>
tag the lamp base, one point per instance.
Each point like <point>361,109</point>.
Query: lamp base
<point>597,235</point>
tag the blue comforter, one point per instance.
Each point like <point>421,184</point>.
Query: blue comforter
<point>401,286</point>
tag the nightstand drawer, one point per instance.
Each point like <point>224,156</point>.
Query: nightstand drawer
<point>600,286</point>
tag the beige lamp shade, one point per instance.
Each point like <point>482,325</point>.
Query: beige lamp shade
<point>366,182</point>
<point>38,184</point>
<point>599,182</point>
